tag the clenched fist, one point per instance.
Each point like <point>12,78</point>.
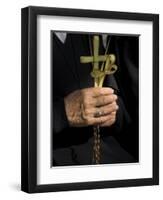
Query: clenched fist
<point>91,106</point>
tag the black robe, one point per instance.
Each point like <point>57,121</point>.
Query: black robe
<point>119,143</point>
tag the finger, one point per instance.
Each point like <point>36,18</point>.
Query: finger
<point>98,91</point>
<point>108,122</point>
<point>109,109</point>
<point>111,120</point>
<point>86,112</point>
<point>99,120</point>
<point>89,94</point>
<point>104,100</point>
<point>101,111</point>
<point>113,113</point>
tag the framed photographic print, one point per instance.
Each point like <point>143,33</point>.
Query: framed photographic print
<point>90,99</point>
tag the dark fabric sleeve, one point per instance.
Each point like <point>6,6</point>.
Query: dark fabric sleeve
<point>60,121</point>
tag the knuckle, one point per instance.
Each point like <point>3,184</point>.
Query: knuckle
<point>108,118</point>
<point>113,98</point>
<point>87,121</point>
<point>114,106</point>
<point>104,100</point>
<point>100,91</point>
<point>110,99</point>
<point>84,93</point>
<point>110,109</point>
<point>87,111</point>
<point>85,102</point>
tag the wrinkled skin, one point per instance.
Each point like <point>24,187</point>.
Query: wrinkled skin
<point>84,106</point>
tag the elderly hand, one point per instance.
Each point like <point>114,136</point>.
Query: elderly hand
<point>91,106</point>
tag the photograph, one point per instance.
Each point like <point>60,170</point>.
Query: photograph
<point>95,98</point>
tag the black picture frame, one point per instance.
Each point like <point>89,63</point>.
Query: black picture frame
<point>29,98</point>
